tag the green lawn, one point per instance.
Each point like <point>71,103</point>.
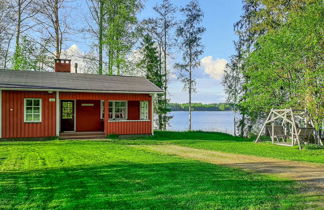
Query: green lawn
<point>106,174</point>
<point>227,143</point>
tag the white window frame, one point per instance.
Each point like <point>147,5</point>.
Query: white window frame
<point>146,116</point>
<point>40,110</point>
<point>102,109</point>
<point>114,108</point>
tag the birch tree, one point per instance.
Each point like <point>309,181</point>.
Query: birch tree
<point>6,31</point>
<point>53,25</point>
<point>189,32</point>
<point>120,33</point>
<point>163,28</point>
<point>25,11</point>
<point>96,28</point>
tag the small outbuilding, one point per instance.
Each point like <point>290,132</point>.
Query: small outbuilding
<point>289,127</point>
<point>69,105</point>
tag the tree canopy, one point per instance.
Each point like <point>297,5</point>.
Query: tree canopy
<point>286,67</point>
<point>278,61</point>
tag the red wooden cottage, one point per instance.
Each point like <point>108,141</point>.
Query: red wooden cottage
<point>61,103</point>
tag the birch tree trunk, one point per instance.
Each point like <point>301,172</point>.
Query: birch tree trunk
<point>18,28</point>
<point>165,73</point>
<point>190,86</point>
<point>101,16</point>
<point>57,30</point>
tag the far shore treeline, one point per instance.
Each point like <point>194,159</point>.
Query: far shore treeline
<point>201,107</point>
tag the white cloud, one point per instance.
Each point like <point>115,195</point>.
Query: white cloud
<point>86,61</point>
<point>214,67</point>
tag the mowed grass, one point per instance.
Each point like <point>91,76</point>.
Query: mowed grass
<point>107,175</point>
<point>231,144</point>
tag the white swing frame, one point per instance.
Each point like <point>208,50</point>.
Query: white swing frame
<point>289,116</point>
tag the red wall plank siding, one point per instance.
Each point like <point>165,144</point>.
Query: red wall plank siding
<point>13,125</point>
<point>129,127</point>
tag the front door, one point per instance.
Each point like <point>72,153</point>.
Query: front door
<point>67,116</point>
<point>88,116</point>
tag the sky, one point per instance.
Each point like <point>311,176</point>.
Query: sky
<point>219,17</point>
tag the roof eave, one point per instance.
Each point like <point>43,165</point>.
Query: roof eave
<point>82,91</point>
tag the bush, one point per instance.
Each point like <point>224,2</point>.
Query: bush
<point>113,136</point>
<point>313,147</point>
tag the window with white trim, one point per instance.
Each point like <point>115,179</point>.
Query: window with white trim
<point>118,110</point>
<point>144,113</point>
<point>33,110</point>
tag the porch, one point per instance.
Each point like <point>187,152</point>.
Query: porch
<point>98,115</point>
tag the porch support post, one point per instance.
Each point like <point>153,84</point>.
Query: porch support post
<point>57,113</point>
<point>106,108</point>
<point>152,113</point>
<point>74,113</point>
<point>0,114</point>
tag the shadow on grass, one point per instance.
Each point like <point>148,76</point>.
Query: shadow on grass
<point>134,186</point>
<point>192,135</point>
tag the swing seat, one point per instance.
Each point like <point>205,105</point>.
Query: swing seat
<point>284,144</point>
<point>278,131</point>
<point>305,133</point>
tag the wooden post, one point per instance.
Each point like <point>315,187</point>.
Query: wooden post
<point>58,118</point>
<point>106,116</point>
<point>256,141</point>
<point>152,113</point>
<point>272,132</point>
<point>294,131</point>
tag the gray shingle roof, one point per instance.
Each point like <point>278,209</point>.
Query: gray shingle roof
<point>74,82</point>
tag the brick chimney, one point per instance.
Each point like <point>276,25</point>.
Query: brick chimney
<point>62,65</point>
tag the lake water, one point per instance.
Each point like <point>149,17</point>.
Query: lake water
<point>222,121</point>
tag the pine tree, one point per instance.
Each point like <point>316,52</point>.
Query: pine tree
<point>150,62</point>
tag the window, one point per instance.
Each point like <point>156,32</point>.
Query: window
<point>118,110</point>
<point>33,110</point>
<point>67,110</point>
<point>144,110</point>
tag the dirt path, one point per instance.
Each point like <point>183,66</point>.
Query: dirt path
<point>310,174</point>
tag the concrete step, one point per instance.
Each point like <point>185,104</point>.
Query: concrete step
<point>82,135</point>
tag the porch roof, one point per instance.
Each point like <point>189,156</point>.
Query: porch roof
<point>33,80</point>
